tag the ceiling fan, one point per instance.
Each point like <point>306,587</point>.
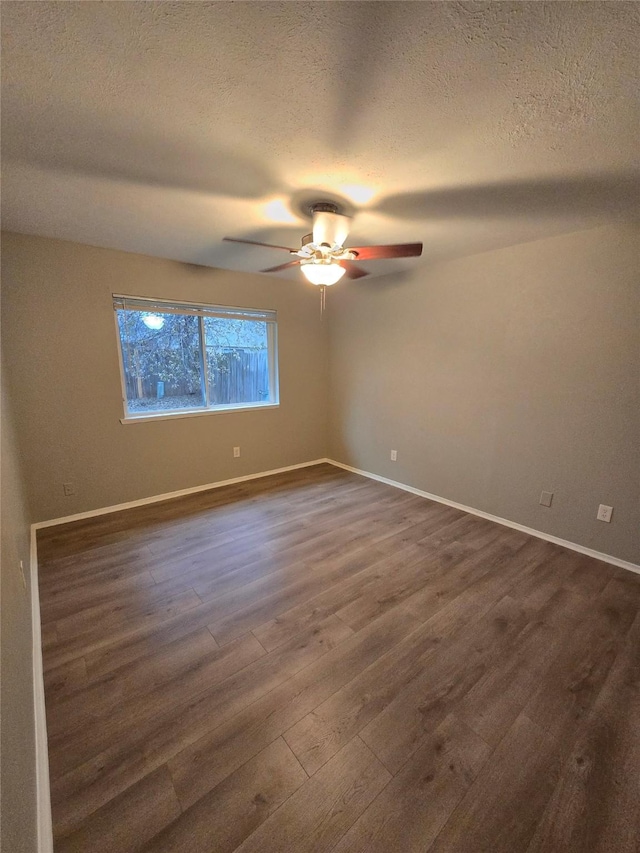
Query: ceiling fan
<point>323,257</point>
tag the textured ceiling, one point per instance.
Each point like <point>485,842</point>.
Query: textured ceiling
<point>161,127</point>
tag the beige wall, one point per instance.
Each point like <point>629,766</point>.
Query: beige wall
<point>495,377</point>
<point>61,343</point>
<point>501,375</point>
<point>17,746</point>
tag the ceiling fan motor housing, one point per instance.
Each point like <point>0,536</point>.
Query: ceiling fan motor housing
<point>323,207</point>
<point>330,228</point>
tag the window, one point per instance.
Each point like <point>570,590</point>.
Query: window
<point>179,358</point>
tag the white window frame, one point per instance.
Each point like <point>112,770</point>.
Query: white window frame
<point>200,310</point>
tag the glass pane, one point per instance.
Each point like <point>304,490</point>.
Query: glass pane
<point>237,361</point>
<point>161,361</point>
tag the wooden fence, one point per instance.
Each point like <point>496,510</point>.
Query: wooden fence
<point>239,376</point>
<point>244,378</point>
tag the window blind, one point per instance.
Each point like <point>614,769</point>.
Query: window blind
<point>160,306</point>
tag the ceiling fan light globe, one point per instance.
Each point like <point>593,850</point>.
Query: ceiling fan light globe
<point>322,273</point>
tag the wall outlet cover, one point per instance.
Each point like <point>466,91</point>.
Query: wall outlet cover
<point>604,513</point>
<point>546,498</point>
<point>394,455</point>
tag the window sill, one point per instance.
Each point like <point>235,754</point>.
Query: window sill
<point>194,413</point>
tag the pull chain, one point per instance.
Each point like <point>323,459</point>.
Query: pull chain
<point>323,299</point>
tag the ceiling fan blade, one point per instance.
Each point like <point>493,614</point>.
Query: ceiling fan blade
<point>352,270</point>
<point>330,228</point>
<point>376,253</point>
<point>282,266</point>
<point>255,243</point>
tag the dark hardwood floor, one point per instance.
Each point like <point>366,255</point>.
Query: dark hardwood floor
<point>317,662</point>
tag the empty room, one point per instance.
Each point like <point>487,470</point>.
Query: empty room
<point>320,427</point>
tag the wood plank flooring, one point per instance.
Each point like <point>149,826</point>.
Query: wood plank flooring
<point>317,662</point>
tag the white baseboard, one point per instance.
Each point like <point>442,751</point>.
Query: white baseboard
<point>43,792</point>
<point>573,546</point>
<point>565,543</point>
<point>105,510</point>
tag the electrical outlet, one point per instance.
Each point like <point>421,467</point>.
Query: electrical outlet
<point>69,489</point>
<point>394,455</point>
<point>604,513</point>
<point>22,575</point>
<point>546,498</point>
<point>236,452</point>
